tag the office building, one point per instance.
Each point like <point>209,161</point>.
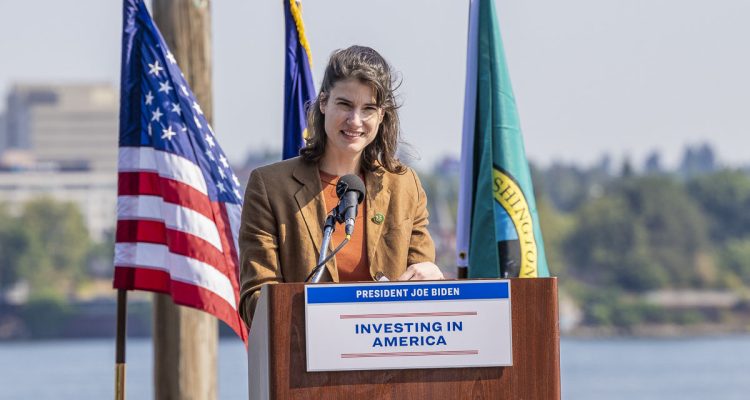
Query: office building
<point>71,127</point>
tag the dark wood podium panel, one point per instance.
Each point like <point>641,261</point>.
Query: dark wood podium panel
<point>535,373</point>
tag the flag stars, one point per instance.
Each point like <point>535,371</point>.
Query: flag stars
<point>184,90</point>
<point>168,133</point>
<point>197,108</point>
<point>156,115</point>
<point>149,98</point>
<point>165,87</point>
<point>235,180</point>
<point>221,187</point>
<point>176,108</point>
<point>210,140</point>
<point>223,161</point>
<point>171,58</point>
<point>237,193</point>
<point>197,123</point>
<point>210,155</point>
<point>155,68</point>
<point>222,174</point>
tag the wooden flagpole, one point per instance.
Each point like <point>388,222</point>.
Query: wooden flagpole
<point>186,339</point>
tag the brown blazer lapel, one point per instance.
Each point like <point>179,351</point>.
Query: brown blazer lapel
<point>310,201</point>
<point>378,198</point>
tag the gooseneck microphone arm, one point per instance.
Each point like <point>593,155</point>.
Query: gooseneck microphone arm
<point>328,229</point>
<point>317,272</point>
<point>351,192</point>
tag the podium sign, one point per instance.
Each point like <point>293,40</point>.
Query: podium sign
<point>402,325</point>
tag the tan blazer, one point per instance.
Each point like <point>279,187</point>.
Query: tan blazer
<point>282,226</point>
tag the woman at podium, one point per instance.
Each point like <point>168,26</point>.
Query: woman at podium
<point>353,128</point>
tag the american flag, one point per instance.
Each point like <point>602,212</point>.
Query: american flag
<point>178,205</point>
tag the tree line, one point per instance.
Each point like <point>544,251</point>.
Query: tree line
<point>613,237</point>
<point>46,245</point>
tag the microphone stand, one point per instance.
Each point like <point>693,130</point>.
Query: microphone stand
<point>330,226</point>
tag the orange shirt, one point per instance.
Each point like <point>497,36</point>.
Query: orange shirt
<point>351,261</point>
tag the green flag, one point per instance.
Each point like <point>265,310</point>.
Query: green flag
<point>504,237</point>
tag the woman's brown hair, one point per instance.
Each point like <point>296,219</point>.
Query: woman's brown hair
<point>369,68</point>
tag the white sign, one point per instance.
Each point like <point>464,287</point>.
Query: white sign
<point>400,325</point>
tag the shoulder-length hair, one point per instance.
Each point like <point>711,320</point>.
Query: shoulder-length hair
<point>369,68</point>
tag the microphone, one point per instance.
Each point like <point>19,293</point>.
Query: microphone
<point>351,192</point>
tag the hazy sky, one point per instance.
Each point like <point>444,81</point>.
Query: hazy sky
<point>623,77</point>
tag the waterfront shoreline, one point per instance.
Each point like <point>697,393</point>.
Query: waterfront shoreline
<point>659,331</point>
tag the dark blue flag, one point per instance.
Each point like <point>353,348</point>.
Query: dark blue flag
<point>298,82</point>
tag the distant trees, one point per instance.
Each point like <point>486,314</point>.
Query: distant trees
<point>12,246</point>
<point>652,165</point>
<point>613,235</point>
<point>644,233</point>
<point>698,160</point>
<point>734,257</point>
<point>47,245</point>
<point>725,198</point>
<point>567,187</point>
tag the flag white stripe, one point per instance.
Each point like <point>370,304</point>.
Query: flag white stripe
<point>179,267</point>
<point>174,216</point>
<point>167,165</point>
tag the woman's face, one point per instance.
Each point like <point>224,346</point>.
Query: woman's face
<point>352,118</point>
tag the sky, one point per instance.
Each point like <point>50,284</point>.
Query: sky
<point>621,77</point>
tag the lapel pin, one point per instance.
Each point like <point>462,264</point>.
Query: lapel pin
<point>378,218</point>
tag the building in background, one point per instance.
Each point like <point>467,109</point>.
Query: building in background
<point>60,141</point>
<point>64,126</point>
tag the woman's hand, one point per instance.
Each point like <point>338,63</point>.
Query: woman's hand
<point>424,271</point>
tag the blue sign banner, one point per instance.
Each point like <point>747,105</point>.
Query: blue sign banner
<point>384,292</point>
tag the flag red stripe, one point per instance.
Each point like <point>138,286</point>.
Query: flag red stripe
<point>227,242</point>
<point>135,230</point>
<point>185,244</point>
<point>130,278</point>
<point>188,295</point>
<point>172,191</point>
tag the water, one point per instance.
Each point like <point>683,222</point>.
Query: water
<point>644,369</point>
<point>612,369</point>
<point>84,369</point>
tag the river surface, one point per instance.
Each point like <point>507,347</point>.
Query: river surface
<point>714,368</point>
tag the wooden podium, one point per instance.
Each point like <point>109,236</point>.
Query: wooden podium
<point>277,364</point>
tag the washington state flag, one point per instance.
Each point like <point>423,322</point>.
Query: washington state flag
<point>498,233</point>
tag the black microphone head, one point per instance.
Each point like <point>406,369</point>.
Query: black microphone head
<point>349,183</point>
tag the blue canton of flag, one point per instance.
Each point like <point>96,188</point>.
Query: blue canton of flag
<point>298,82</point>
<point>178,200</point>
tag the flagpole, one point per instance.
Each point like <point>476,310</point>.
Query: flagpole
<point>185,339</point>
<point>122,313</point>
<point>465,195</point>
